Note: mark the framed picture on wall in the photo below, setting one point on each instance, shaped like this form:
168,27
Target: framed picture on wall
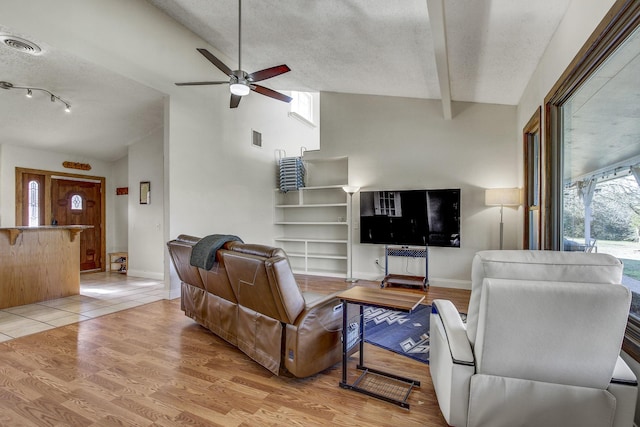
145,192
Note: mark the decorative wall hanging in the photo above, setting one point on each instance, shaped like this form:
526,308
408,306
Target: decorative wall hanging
145,192
77,165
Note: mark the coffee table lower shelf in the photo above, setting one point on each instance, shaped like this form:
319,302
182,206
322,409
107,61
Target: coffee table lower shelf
383,385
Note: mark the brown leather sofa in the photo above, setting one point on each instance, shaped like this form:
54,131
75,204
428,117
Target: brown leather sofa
250,298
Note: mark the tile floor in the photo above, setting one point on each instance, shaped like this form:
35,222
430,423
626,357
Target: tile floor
100,294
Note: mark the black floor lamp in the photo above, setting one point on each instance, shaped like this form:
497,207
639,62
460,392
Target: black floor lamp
350,190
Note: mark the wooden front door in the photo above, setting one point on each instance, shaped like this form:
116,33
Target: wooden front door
79,203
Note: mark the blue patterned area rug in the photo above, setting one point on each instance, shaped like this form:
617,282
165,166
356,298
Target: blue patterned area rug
400,332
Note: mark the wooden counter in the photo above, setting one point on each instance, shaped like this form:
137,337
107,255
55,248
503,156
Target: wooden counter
39,263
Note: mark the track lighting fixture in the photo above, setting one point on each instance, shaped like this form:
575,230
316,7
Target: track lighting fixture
54,97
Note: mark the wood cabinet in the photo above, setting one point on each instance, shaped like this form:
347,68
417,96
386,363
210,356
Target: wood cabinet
118,262
312,222
39,263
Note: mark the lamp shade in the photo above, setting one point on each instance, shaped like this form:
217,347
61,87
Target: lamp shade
351,189
502,197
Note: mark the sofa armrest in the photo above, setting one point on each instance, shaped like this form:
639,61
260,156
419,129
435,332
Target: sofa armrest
314,341
313,299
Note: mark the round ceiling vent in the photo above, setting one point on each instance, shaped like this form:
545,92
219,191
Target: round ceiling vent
20,44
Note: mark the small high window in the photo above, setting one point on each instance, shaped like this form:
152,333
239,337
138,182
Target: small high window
302,106
76,202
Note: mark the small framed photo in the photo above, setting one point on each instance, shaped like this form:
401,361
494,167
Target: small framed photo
145,192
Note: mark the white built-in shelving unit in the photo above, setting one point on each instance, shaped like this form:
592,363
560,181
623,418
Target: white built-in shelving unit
312,222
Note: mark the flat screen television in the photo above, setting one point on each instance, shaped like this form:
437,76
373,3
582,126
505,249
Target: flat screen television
411,217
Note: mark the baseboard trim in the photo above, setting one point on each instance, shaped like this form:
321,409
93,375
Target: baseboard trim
146,274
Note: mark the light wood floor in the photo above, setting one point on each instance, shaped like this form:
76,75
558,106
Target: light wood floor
152,366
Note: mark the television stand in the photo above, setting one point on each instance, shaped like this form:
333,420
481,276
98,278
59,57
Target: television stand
405,280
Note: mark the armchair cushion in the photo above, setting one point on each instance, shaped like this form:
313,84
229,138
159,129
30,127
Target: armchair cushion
537,265
517,318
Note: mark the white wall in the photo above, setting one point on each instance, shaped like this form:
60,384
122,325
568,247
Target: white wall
402,143
118,233
146,222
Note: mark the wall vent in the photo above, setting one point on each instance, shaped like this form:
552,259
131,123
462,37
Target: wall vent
256,139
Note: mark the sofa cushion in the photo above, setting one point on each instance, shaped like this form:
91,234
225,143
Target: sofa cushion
264,285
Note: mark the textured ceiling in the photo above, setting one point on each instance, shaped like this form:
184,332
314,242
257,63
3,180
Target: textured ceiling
376,47
108,112
380,47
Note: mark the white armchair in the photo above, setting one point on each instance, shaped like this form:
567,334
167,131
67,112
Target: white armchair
541,344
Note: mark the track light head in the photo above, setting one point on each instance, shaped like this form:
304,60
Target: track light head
29,93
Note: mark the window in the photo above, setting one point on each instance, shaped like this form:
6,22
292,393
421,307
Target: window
302,106
76,202
594,136
34,203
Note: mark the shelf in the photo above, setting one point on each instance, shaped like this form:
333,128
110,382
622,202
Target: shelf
327,273
313,221
310,223
316,187
302,240
316,256
118,262
317,205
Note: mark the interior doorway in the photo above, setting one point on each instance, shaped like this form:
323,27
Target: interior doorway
54,198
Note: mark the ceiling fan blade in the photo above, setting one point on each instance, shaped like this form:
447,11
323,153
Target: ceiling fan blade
267,73
271,93
215,61
200,83
235,100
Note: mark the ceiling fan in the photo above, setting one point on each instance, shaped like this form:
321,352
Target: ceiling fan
241,82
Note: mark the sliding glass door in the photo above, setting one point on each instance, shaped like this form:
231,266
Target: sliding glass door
594,131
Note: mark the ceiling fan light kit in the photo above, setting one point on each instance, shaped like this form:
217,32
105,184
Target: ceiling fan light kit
239,89
240,82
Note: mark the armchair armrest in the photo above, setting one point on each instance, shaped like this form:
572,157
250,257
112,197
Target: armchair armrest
451,361
455,330
624,387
